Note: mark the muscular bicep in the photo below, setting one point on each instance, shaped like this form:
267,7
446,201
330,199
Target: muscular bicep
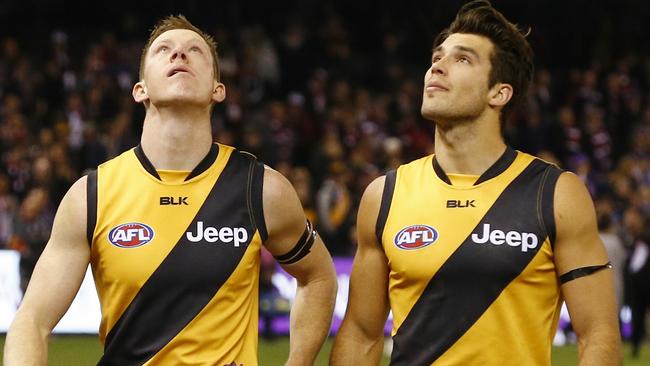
288,235
578,243
368,299
62,265
590,298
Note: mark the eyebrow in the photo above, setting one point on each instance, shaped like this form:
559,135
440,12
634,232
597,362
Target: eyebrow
461,48
193,42
160,42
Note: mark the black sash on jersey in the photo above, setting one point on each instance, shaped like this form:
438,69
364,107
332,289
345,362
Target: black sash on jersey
191,274
453,299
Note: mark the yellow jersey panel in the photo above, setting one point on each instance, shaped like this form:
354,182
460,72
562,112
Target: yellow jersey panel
173,176
462,180
471,266
223,311
176,263
510,312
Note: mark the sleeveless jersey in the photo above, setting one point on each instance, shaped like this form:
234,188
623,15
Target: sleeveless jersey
176,265
472,279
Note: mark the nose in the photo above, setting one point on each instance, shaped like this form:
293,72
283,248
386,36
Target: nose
438,67
178,53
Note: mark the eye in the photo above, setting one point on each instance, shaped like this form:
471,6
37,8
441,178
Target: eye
463,59
196,49
435,59
163,49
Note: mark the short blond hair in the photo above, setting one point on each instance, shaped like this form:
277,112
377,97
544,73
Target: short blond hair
179,22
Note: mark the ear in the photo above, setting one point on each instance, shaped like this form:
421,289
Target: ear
500,94
218,92
139,92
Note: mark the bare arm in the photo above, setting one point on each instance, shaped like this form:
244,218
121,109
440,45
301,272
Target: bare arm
311,314
56,280
360,338
590,299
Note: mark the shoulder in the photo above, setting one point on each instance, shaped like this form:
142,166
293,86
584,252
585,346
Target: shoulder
571,196
129,154
416,165
70,222
78,191
283,213
75,202
373,210
575,215
282,207
375,190
276,187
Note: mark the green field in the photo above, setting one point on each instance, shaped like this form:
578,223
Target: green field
85,350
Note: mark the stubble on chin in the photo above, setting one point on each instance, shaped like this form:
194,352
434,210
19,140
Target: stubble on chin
447,118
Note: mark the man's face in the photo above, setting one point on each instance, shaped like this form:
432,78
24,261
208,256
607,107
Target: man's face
178,68
456,84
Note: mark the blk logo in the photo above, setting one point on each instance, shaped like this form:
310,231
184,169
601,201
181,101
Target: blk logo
513,238
173,201
460,204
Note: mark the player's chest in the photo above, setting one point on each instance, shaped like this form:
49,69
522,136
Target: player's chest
469,233
188,232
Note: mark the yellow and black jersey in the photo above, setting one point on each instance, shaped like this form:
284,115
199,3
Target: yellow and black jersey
472,279
176,263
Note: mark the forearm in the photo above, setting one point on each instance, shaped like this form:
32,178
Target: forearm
601,348
26,343
353,347
311,316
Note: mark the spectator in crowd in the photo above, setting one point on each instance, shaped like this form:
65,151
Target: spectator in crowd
301,180
32,230
8,207
613,244
638,271
272,303
334,208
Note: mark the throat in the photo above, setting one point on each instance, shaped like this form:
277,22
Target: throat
175,144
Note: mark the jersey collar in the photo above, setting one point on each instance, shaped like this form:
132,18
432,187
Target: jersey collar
497,168
200,168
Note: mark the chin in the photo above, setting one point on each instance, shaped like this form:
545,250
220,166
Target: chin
431,112
183,98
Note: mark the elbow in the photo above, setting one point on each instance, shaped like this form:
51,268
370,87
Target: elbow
326,285
27,323
603,343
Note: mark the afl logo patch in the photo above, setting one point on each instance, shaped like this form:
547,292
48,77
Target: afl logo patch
415,237
131,235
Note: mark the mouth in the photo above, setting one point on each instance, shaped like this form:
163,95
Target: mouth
432,86
178,70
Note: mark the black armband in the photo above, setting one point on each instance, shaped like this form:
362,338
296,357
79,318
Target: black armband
584,271
302,247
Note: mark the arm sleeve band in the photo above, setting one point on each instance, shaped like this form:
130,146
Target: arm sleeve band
584,271
302,247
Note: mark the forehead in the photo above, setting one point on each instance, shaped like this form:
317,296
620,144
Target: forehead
482,45
178,36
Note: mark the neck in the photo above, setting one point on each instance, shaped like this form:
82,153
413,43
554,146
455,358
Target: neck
176,139
468,148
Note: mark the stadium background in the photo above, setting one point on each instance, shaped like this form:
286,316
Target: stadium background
326,92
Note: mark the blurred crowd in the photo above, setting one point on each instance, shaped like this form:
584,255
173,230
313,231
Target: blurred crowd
306,100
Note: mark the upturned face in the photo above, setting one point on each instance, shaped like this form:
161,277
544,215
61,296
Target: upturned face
178,68
456,84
